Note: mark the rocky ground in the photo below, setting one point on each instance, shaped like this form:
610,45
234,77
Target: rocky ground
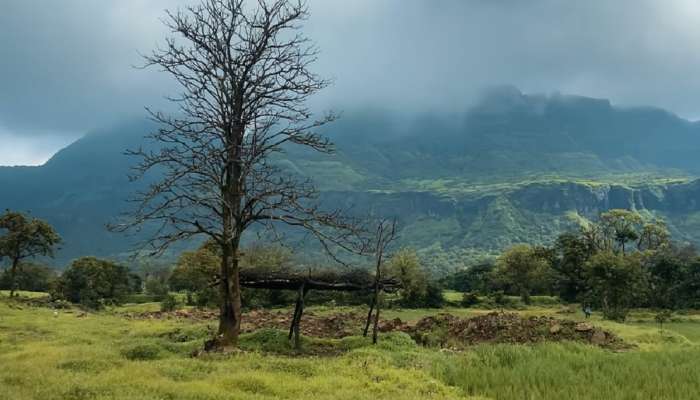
442,330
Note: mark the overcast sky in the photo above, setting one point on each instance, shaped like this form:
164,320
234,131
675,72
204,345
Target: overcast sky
66,66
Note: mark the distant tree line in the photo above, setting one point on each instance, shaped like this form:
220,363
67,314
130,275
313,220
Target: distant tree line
616,263
94,283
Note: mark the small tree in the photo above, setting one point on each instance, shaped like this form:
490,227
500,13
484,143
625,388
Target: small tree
93,282
616,283
195,273
30,276
21,238
654,235
523,269
571,253
620,226
384,236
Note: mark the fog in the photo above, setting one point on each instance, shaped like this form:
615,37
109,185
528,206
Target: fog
67,67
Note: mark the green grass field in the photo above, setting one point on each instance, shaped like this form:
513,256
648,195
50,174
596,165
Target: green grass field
107,356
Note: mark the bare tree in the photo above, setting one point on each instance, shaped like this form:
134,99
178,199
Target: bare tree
385,234
244,71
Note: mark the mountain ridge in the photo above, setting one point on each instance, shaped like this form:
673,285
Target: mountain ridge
463,185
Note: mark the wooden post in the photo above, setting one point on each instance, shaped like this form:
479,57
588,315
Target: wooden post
376,321
369,317
296,319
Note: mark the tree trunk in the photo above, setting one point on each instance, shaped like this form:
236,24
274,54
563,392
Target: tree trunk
376,320
230,313
13,277
230,318
294,318
297,321
369,317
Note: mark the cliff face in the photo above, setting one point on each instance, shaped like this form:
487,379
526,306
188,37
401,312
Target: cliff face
528,213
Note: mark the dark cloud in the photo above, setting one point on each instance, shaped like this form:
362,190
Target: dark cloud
66,66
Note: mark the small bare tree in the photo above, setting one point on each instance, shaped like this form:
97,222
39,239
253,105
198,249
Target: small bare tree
385,234
244,71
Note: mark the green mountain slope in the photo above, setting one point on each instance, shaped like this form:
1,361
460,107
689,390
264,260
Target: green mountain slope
514,168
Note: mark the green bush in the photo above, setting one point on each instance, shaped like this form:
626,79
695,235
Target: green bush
469,299
169,303
144,351
93,283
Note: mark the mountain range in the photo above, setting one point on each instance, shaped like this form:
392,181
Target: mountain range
512,168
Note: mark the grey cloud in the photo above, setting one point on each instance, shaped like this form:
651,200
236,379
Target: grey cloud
66,66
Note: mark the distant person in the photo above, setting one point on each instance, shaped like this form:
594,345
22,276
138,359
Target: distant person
587,311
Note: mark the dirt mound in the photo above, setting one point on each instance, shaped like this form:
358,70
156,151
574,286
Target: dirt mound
336,325
446,330
329,326
194,314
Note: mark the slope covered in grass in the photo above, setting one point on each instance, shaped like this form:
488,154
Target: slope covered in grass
108,356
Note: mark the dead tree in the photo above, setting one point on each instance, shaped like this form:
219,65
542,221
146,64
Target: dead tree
385,234
245,79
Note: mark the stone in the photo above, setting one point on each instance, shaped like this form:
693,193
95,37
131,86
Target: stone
583,327
599,338
554,329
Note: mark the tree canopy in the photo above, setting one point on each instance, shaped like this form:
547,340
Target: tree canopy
22,237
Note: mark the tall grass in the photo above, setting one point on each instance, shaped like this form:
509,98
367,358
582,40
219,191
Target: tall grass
108,356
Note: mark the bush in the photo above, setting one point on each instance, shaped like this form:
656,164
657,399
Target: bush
157,288
142,352
93,283
31,277
469,299
169,303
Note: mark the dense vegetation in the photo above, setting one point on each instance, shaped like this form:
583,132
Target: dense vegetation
614,264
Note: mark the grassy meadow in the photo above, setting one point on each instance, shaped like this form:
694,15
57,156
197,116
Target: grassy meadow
69,354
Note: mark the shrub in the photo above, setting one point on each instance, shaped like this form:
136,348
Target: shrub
140,352
93,283
157,288
469,299
169,303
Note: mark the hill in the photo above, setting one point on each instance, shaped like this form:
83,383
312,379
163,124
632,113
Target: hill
513,168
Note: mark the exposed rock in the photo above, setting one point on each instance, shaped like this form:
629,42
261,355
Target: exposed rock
599,338
583,327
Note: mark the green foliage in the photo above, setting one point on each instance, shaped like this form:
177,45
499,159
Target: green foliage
30,276
143,351
616,282
194,274
157,288
571,253
418,289
523,270
93,282
22,238
169,303
469,299
619,226
476,279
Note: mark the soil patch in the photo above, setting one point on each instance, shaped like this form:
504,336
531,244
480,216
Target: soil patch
336,325
443,330
446,330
